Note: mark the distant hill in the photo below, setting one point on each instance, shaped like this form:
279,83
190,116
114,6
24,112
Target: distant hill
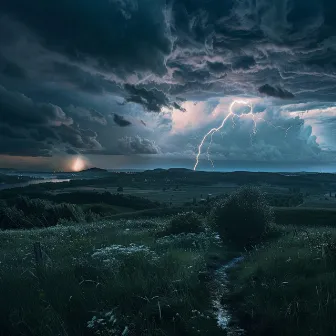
94,170
180,170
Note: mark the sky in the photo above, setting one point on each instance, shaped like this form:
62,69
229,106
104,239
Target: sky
139,83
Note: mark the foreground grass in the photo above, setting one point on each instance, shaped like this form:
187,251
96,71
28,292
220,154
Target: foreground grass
288,287
110,278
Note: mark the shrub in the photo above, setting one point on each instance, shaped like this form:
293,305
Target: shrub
100,209
186,222
31,206
243,217
64,211
25,212
11,217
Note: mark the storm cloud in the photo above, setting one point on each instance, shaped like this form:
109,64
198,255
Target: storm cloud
276,92
138,145
38,129
151,99
169,64
120,120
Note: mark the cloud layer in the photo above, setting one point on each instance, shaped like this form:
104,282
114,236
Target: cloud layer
276,92
168,69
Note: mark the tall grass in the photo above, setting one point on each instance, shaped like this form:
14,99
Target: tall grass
104,279
289,286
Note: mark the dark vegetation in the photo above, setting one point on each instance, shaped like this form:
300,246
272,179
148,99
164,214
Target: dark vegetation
242,218
288,286
184,177
306,217
34,213
189,177
7,179
285,200
87,197
24,212
84,283
185,222
108,278
83,197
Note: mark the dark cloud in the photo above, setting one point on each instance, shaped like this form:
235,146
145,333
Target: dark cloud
182,48
11,69
120,120
90,115
217,67
28,147
19,110
38,129
124,38
71,151
7,132
276,92
151,99
84,139
83,80
243,63
138,145
59,82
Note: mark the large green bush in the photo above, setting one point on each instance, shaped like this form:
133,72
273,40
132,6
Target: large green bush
243,217
186,222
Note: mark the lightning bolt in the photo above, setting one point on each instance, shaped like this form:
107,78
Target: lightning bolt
232,115
208,151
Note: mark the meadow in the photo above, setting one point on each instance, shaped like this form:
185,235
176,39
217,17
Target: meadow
107,278
92,262
287,286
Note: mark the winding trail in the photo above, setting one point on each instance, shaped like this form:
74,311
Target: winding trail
219,287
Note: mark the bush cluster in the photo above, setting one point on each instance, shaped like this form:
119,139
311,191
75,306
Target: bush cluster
243,217
28,213
186,222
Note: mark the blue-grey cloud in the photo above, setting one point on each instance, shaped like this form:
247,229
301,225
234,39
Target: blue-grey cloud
153,56
89,115
138,145
36,129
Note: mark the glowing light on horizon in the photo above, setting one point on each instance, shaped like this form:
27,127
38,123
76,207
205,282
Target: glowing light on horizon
232,114
78,164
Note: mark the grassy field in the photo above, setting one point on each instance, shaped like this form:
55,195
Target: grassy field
175,196
288,287
124,273
118,276
108,278
306,216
